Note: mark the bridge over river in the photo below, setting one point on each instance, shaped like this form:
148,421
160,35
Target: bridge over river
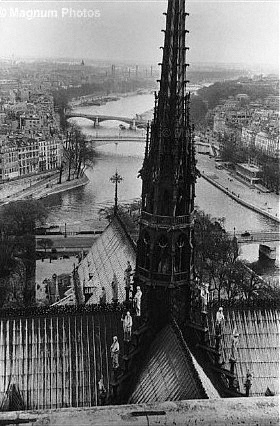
249,237
103,140
137,121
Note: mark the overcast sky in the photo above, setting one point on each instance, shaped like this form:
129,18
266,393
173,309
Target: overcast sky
220,31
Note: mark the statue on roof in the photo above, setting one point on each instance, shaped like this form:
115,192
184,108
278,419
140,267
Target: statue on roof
248,383
127,280
137,301
132,277
115,350
127,326
219,321
234,343
128,270
219,324
101,391
204,294
115,289
103,297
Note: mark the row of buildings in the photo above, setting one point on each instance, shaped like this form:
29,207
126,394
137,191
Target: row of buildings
24,77
30,137
68,75
256,123
22,156
265,141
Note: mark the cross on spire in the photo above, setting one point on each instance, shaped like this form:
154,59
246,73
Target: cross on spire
116,179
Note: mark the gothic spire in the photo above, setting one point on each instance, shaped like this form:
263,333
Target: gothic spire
170,165
164,266
173,76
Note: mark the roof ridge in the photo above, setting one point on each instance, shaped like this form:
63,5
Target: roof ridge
167,375
187,351
117,219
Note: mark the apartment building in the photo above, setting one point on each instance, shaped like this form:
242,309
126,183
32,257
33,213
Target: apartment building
30,122
248,136
268,144
28,157
9,168
49,153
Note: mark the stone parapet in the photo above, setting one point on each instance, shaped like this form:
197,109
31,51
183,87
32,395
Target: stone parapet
260,411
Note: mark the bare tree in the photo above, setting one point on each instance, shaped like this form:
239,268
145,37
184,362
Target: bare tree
215,250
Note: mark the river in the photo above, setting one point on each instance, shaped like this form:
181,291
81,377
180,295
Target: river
80,207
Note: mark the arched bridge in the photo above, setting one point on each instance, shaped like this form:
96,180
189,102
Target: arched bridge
249,237
104,140
97,118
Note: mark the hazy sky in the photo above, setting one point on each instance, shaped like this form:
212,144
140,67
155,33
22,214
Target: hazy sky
220,31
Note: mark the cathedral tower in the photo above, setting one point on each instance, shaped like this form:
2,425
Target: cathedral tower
165,252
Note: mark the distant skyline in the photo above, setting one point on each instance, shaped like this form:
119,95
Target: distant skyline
220,31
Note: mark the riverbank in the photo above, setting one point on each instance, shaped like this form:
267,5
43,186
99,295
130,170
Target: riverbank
103,96
45,188
15,187
266,204
64,186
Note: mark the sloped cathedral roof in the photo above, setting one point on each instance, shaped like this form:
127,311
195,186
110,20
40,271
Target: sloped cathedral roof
257,348
107,260
170,372
55,359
